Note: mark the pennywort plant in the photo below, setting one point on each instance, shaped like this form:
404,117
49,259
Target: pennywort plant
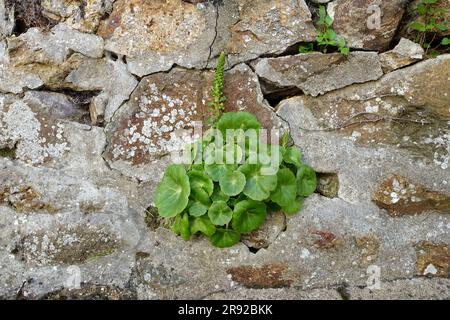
231,180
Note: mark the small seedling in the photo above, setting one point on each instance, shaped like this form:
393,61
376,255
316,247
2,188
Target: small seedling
326,36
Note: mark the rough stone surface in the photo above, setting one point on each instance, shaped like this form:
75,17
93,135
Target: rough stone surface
405,53
83,144
401,109
351,21
83,15
267,233
156,35
318,73
399,196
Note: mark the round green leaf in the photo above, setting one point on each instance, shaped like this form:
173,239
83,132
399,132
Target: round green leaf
248,216
203,225
258,186
232,183
306,181
197,209
200,180
219,213
293,207
172,193
293,156
215,171
286,190
224,238
218,195
199,202
237,120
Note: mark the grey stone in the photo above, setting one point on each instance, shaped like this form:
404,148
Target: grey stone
243,30
6,20
318,73
110,77
405,53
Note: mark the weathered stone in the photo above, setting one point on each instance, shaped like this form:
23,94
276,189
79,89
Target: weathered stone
36,58
356,21
433,259
6,20
83,15
275,224
154,34
110,77
276,294
55,45
404,54
369,246
328,184
266,276
399,197
401,109
405,289
23,199
161,114
92,292
325,239
28,14
318,73
66,245
247,30
35,134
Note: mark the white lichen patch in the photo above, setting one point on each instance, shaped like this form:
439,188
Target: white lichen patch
37,139
441,157
162,124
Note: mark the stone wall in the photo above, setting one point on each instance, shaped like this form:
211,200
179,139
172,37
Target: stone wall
91,92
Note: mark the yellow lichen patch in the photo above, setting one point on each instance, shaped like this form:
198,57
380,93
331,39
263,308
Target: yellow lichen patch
433,259
24,199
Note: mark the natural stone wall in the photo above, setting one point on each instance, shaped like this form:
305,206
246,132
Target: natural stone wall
93,94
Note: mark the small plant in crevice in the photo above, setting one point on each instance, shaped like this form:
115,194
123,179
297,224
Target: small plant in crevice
226,186
326,36
430,21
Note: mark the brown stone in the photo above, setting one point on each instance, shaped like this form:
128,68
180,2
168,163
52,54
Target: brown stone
24,199
325,239
399,197
369,246
267,276
433,259
351,21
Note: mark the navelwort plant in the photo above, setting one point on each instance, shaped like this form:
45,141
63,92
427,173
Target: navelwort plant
429,23
224,199
326,36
